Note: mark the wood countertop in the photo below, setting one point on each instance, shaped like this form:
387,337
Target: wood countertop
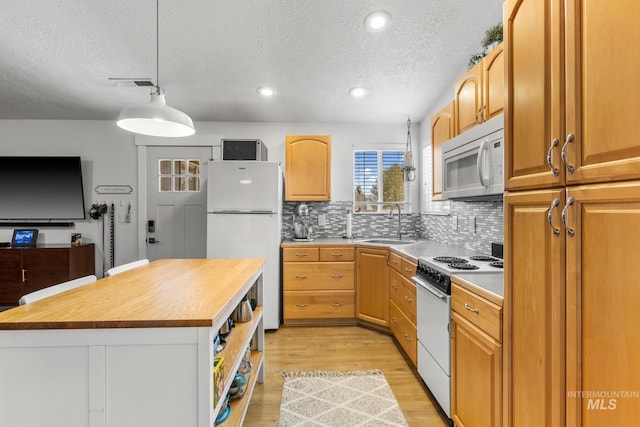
165,293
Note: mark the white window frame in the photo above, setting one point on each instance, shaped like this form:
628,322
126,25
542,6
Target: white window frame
383,206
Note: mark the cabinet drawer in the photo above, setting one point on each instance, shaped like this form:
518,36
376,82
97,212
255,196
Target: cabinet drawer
484,314
404,331
403,293
308,276
319,305
337,254
300,254
408,269
395,261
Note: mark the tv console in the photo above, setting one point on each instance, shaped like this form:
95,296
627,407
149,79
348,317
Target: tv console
27,269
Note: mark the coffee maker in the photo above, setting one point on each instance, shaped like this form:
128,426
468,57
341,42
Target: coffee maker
302,226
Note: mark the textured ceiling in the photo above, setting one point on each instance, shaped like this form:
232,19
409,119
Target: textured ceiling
56,57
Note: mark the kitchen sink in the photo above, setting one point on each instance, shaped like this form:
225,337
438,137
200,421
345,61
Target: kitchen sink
389,241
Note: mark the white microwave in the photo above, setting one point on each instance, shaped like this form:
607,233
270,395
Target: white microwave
472,163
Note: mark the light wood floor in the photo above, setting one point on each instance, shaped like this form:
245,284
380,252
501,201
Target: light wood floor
341,348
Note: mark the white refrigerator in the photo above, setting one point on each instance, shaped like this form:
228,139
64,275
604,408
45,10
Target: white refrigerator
244,220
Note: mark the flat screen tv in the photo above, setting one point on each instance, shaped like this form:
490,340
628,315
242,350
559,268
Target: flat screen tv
41,188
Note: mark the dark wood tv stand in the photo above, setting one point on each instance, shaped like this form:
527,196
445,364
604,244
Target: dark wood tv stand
25,270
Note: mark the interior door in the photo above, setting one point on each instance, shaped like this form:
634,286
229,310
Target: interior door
176,202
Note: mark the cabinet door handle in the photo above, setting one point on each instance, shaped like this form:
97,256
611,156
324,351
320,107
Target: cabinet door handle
407,337
394,286
337,276
302,305
570,230
554,204
337,304
408,299
394,320
473,310
301,254
24,275
337,254
301,276
554,170
408,270
570,168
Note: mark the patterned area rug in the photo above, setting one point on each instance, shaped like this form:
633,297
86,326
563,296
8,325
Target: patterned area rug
330,398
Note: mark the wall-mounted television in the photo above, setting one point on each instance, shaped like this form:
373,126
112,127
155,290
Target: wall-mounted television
41,188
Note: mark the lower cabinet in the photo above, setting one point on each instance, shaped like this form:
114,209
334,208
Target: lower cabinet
318,284
476,360
372,286
402,304
26,270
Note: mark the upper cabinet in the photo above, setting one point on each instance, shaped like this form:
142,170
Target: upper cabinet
572,94
308,168
442,130
468,99
493,83
479,94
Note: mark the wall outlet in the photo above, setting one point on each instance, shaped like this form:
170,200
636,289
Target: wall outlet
454,222
472,224
322,220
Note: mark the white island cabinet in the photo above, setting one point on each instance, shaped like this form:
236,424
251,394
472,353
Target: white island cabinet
135,349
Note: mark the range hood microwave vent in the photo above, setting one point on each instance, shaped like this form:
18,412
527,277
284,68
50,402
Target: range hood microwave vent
472,163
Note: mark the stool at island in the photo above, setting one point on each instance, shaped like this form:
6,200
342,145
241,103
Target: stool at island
125,267
134,349
56,289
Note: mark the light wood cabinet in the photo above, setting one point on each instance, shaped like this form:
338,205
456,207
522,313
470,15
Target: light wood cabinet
586,114
476,376
318,284
308,168
571,98
468,99
603,320
493,83
534,310
476,359
571,286
479,94
442,130
402,304
372,286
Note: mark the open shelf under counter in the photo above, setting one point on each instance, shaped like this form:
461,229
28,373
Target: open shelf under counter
237,343
239,406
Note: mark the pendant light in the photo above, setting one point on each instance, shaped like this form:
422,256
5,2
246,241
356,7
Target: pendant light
156,118
409,168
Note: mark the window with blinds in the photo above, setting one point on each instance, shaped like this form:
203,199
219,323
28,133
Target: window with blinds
178,175
378,177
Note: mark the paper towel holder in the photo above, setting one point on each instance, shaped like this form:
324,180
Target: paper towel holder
348,226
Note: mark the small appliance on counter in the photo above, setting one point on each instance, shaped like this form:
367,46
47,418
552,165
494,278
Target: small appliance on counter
302,226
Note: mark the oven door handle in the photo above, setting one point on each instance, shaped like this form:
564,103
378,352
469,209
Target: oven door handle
429,288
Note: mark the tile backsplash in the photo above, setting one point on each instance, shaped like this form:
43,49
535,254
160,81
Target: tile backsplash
363,225
488,216
489,225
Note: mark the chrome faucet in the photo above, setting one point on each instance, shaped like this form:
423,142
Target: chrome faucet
397,205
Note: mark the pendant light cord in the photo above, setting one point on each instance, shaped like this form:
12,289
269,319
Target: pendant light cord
158,46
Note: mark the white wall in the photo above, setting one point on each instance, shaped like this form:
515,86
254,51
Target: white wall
109,157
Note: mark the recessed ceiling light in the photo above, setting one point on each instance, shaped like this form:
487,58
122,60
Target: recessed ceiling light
377,21
358,92
266,91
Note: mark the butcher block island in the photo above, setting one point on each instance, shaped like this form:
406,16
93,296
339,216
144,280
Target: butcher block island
134,349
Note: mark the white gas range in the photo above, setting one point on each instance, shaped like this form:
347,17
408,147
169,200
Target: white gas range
433,280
